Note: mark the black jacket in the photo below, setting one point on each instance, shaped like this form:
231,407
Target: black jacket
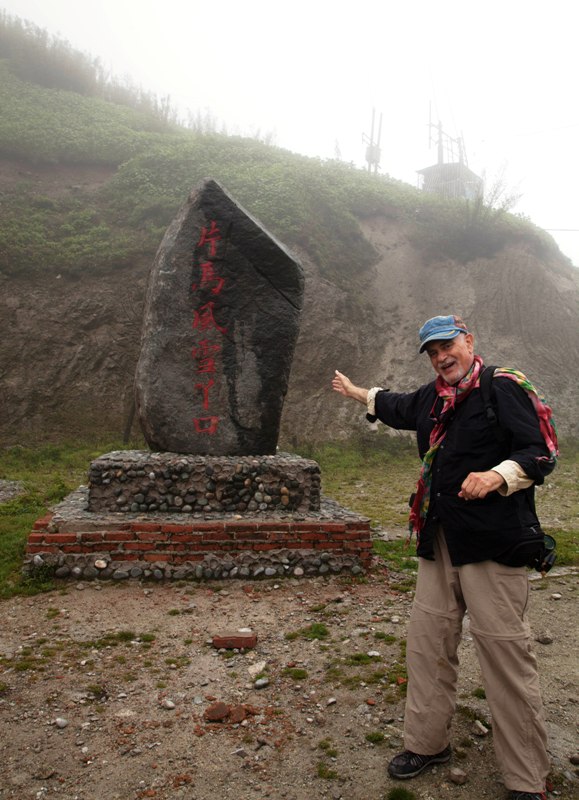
478,529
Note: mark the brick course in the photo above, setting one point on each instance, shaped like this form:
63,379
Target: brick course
266,546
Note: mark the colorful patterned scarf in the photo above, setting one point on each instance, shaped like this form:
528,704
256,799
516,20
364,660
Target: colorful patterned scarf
451,396
543,411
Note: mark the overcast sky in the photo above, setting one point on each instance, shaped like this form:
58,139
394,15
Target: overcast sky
501,73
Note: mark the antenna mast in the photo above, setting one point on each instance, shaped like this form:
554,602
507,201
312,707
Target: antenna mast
449,150
373,146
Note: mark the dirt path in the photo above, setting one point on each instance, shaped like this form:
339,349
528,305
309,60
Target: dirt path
104,691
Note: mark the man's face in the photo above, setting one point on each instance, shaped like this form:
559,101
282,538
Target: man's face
452,358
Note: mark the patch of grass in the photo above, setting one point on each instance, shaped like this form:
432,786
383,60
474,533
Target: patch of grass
387,638
114,639
360,658
48,473
124,636
567,544
398,554
375,737
317,630
179,661
97,691
295,673
407,585
339,671
328,747
400,794
354,476
479,692
334,673
326,772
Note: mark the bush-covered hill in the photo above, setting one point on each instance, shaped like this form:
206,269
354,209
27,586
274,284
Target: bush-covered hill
93,171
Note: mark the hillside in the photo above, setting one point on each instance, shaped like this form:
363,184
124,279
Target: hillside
88,187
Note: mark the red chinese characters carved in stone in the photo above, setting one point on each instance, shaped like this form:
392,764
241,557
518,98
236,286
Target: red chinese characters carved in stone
208,277
204,353
204,318
204,388
210,236
206,424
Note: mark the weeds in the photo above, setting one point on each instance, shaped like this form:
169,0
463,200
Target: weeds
317,630
387,638
295,673
325,772
328,747
400,794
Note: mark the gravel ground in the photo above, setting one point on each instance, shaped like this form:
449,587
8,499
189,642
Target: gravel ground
9,490
105,689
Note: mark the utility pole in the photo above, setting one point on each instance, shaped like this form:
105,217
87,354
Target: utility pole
373,146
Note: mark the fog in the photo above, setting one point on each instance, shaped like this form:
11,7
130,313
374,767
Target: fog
307,76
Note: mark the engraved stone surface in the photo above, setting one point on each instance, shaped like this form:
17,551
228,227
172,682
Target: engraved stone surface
220,325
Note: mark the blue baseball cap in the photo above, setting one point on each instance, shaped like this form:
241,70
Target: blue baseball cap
440,328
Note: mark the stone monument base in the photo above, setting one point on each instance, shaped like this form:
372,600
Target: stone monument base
73,542
143,481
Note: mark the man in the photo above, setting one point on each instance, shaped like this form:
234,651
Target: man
473,504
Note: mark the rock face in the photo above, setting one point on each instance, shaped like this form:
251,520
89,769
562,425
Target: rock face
220,324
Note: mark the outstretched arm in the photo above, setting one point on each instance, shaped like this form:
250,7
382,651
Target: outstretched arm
345,387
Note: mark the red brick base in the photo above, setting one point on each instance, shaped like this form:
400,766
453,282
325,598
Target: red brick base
175,544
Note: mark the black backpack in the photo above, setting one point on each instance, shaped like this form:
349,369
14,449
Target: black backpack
536,548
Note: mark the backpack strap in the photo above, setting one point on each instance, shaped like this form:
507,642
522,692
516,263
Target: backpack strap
485,387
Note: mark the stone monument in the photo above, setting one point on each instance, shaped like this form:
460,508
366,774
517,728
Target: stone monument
220,326
212,498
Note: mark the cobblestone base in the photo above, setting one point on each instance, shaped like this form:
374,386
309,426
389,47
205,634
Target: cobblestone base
143,481
77,543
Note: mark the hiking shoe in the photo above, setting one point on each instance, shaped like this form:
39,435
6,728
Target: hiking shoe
408,764
527,796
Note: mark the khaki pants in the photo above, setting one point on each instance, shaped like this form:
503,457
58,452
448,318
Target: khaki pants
496,599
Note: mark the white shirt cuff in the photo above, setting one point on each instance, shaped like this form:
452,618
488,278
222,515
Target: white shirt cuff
371,402
514,477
